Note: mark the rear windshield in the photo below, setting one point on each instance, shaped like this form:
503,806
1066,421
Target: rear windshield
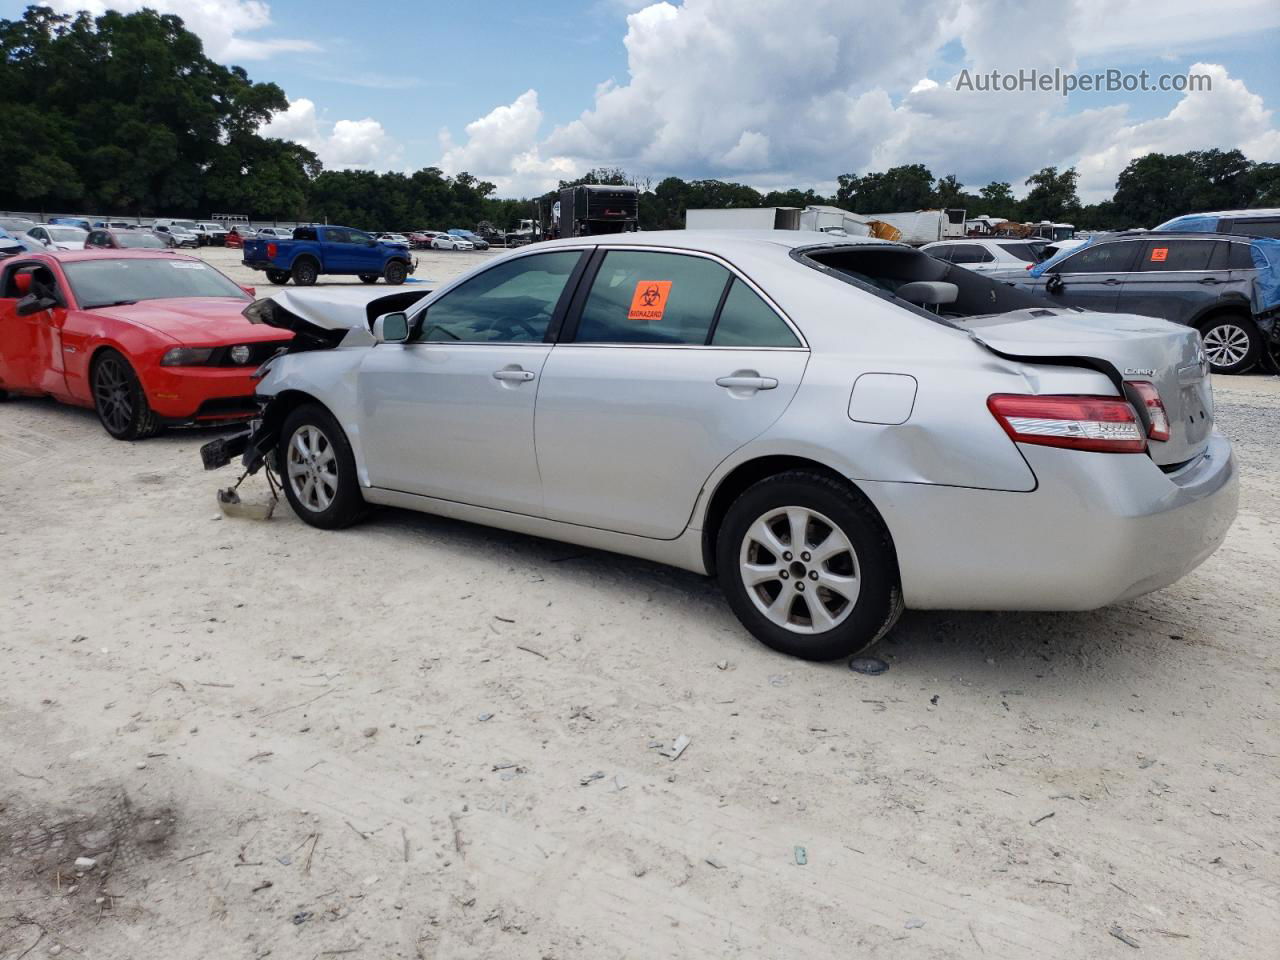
143,241
884,270
101,283
1023,251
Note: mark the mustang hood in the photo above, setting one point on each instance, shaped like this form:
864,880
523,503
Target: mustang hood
198,321
1126,348
321,319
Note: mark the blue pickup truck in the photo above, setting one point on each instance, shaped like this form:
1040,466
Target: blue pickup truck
331,250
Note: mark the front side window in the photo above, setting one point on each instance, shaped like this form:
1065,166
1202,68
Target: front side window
969,253
1162,256
1023,251
512,302
641,297
747,321
355,236
1101,258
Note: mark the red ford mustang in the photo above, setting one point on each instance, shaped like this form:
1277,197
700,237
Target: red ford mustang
146,338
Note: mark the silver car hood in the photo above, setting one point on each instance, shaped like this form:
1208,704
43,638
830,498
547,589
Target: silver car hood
1124,346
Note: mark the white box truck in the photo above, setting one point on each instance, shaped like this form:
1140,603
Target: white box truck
743,218
919,227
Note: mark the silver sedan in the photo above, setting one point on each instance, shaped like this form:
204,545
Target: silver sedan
835,428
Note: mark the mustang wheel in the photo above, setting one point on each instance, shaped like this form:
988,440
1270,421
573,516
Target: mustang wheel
808,567
305,272
396,272
368,277
319,469
1231,344
278,277
119,399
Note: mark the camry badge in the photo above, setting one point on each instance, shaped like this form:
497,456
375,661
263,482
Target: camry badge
1139,372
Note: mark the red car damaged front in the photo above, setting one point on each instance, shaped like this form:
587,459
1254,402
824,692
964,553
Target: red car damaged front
147,339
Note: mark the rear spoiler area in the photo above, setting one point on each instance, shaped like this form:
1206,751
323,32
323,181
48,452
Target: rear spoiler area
321,319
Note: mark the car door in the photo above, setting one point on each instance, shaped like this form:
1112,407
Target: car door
450,413
1090,279
672,363
31,351
1172,279
363,253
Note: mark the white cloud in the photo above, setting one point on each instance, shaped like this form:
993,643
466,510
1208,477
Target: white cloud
770,92
221,24
344,144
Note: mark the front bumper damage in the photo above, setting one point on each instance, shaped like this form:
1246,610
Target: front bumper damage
254,447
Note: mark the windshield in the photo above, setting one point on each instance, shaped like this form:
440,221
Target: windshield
188,225
141,241
101,283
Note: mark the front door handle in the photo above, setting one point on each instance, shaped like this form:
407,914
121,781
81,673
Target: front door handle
513,373
744,382
1111,282
1209,280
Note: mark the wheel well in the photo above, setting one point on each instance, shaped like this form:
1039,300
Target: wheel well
1239,311
300,258
745,475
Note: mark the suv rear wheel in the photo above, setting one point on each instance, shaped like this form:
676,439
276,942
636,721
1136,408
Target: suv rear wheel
808,566
1232,343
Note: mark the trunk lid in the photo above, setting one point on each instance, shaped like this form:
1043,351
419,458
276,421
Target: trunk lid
1126,348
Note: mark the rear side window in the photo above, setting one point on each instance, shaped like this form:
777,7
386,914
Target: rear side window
1023,251
1167,255
640,297
970,253
510,303
747,321
1101,258
1231,256
942,252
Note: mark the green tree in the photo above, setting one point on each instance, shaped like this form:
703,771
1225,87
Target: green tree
997,200
1052,195
908,187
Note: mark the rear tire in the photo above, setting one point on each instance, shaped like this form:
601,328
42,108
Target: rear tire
305,272
785,591
368,277
278,277
396,272
319,470
1232,343
119,399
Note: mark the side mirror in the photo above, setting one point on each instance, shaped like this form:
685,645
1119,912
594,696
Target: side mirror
391,328
33,303
1054,284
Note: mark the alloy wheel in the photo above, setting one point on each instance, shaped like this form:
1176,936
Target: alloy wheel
799,569
1226,345
114,394
312,467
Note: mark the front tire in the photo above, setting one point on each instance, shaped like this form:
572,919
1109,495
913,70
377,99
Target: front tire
1232,344
119,399
278,277
396,272
319,469
808,567
305,272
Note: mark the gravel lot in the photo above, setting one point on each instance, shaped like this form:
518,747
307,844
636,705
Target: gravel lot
423,739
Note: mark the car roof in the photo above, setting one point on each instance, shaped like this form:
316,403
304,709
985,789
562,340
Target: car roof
1262,212
716,241
74,256
1173,235
938,243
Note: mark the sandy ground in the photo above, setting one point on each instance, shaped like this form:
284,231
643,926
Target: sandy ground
423,739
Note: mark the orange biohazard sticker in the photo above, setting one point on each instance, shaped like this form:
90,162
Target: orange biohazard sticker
1159,254
649,302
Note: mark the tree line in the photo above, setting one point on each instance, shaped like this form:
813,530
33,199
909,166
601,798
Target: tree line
125,114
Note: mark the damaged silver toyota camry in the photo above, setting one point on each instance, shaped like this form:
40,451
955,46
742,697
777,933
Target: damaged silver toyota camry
834,429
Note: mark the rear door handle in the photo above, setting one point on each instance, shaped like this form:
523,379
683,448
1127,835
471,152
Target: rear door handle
508,373
1111,282
1209,280
738,382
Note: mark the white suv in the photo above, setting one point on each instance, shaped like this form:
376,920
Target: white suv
988,255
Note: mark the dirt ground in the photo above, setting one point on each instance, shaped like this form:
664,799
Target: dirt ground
423,739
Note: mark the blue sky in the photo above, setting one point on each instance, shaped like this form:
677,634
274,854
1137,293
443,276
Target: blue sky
771,92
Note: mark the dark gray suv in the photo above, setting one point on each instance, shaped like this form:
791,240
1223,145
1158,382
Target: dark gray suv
1202,280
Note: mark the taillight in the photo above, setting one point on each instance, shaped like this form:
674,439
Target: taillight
1156,413
1101,424
271,251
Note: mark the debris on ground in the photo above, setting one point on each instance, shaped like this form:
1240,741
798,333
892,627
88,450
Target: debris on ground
914,923
1123,937
673,752
590,778
802,856
871,666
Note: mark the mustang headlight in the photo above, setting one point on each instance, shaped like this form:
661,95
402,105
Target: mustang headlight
240,354
186,356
